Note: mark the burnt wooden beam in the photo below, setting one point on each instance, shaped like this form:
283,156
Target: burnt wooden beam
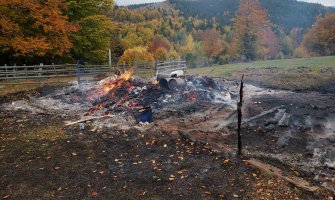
239,119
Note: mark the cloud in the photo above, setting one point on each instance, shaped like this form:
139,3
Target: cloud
324,2
129,2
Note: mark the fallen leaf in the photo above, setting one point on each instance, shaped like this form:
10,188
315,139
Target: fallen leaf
94,194
74,154
6,197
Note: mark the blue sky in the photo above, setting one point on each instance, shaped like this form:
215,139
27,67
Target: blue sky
128,2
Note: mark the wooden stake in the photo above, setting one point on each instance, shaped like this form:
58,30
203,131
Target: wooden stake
239,118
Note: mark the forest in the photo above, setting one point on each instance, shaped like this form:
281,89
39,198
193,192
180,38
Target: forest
202,32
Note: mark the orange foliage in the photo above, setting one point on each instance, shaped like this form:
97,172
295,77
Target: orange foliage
211,43
320,39
35,28
137,54
253,34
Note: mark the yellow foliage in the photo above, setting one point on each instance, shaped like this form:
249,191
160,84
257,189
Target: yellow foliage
136,54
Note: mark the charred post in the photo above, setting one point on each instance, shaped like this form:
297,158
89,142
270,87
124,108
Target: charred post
239,116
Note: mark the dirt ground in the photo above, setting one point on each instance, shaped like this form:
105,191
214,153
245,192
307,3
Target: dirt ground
41,158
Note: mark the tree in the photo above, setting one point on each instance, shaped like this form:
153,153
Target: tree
31,29
93,40
267,44
78,9
296,34
320,39
211,43
253,36
159,48
136,54
286,45
132,40
188,46
116,47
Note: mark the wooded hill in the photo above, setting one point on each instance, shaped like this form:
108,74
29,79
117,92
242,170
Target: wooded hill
201,31
287,14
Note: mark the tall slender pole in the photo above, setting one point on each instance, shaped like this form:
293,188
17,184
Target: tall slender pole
110,57
239,117
78,72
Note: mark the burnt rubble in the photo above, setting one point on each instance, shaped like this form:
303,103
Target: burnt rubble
278,125
134,94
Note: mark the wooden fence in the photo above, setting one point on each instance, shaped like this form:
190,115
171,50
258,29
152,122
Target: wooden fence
169,66
73,70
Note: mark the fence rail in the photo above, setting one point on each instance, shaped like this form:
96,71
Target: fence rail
72,70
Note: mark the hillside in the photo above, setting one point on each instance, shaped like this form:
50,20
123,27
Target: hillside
285,13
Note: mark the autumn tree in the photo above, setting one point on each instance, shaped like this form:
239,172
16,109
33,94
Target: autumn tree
160,48
93,40
79,9
286,44
30,29
188,46
296,34
135,55
320,39
116,47
132,40
267,44
253,36
211,43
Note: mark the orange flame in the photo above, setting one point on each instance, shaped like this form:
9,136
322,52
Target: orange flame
118,82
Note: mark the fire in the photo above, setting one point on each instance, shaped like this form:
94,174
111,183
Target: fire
109,90
118,82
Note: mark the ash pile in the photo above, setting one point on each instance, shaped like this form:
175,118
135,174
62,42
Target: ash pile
123,101
168,96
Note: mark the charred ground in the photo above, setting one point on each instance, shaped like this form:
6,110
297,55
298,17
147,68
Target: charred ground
43,158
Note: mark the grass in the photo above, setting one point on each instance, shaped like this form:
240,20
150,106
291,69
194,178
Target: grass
297,74
314,63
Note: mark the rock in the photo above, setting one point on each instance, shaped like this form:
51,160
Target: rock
284,121
330,164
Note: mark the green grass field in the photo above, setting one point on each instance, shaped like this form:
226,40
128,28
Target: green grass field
314,63
316,73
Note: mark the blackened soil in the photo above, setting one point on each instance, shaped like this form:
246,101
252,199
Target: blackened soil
42,159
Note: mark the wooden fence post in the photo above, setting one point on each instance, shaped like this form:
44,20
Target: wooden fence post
155,68
14,70
25,69
40,70
78,72
6,70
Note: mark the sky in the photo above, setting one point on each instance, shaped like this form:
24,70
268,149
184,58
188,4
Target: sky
128,2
